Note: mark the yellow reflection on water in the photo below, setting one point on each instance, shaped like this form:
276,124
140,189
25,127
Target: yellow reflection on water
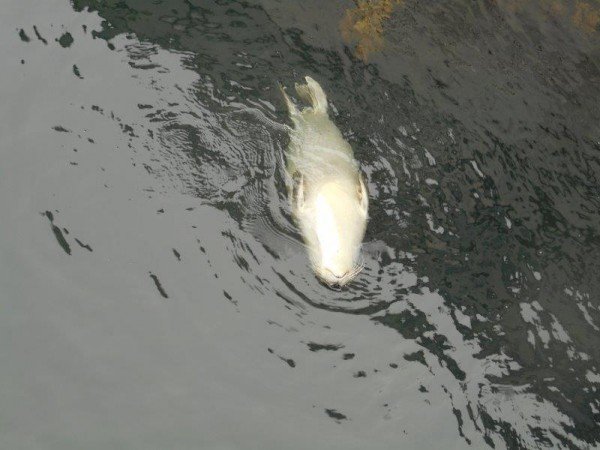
363,25
586,16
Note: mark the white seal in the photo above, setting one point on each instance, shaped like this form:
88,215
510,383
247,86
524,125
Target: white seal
327,192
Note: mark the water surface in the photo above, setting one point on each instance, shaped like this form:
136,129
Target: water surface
155,292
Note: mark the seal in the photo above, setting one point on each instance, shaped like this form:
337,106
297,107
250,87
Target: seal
327,192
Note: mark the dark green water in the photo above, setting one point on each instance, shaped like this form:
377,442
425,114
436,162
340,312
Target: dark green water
154,292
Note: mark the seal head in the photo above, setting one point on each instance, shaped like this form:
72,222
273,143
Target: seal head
332,217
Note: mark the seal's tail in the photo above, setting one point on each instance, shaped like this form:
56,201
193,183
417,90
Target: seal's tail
312,93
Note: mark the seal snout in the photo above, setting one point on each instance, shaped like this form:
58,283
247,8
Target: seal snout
335,279
338,277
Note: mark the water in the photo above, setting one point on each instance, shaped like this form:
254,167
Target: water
155,293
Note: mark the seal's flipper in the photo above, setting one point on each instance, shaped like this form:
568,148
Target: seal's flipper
313,93
297,190
288,102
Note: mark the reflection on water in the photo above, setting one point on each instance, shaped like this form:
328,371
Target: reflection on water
156,288
364,24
